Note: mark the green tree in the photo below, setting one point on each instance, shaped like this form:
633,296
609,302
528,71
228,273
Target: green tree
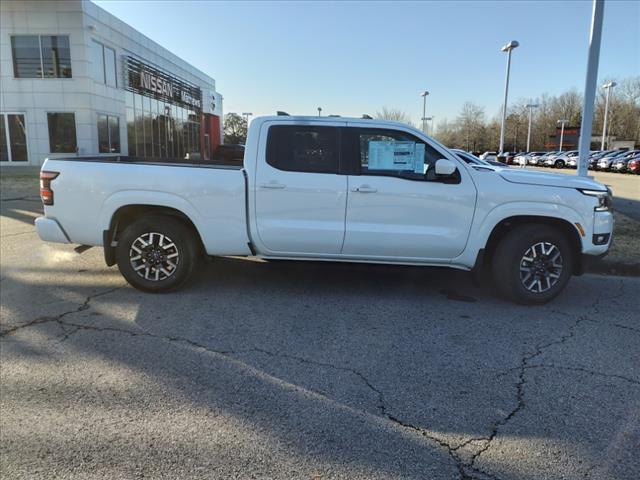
235,128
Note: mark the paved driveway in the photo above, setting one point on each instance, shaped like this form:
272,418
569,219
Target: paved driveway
311,371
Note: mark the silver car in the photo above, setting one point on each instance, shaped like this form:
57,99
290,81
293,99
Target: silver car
562,159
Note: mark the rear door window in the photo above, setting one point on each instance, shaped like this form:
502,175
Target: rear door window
300,148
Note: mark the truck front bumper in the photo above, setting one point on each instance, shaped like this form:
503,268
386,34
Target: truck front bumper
50,230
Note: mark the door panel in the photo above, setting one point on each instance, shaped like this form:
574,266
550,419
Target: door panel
301,212
407,218
397,206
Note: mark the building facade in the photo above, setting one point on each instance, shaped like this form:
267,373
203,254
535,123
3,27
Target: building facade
74,79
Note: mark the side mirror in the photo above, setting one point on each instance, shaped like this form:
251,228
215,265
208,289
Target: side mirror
445,167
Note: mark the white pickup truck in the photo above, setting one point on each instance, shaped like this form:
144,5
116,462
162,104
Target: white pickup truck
334,189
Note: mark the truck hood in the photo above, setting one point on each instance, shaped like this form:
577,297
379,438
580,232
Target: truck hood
531,177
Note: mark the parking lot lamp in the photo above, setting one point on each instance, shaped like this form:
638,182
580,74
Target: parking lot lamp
424,110
530,106
607,87
507,48
247,115
319,111
562,123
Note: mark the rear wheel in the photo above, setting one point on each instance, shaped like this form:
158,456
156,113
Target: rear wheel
156,253
532,264
559,163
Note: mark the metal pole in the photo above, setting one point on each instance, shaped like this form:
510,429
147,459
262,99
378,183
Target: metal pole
529,130
504,106
590,87
606,115
424,113
561,134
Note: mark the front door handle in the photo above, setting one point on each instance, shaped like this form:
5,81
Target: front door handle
272,185
365,189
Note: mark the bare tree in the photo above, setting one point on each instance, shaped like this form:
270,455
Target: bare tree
394,114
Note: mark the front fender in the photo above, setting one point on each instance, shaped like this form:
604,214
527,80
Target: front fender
482,227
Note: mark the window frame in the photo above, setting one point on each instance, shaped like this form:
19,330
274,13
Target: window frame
39,37
4,115
352,154
271,146
75,129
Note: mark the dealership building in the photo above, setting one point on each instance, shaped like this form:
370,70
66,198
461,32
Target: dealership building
75,80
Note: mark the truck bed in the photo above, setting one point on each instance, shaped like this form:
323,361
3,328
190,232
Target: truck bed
89,191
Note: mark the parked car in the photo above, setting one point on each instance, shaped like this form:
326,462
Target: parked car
542,159
473,160
593,159
634,165
331,189
605,162
550,159
619,164
562,159
489,156
572,161
532,158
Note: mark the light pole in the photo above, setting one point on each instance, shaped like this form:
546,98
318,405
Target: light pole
507,48
591,78
607,87
247,115
562,123
319,111
530,106
424,110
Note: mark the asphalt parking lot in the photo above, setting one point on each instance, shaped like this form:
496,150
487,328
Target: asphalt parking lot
307,371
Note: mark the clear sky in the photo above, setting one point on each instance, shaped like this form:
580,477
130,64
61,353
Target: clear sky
352,58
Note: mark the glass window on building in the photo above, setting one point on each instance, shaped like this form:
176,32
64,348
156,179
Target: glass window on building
110,66
97,62
108,134
56,56
160,129
103,60
41,56
4,150
13,138
62,132
131,128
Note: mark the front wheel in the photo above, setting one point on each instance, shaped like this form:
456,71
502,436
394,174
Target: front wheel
532,264
560,164
156,253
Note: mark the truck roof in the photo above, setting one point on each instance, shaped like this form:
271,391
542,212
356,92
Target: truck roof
328,119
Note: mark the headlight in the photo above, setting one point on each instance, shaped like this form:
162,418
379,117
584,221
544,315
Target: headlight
605,198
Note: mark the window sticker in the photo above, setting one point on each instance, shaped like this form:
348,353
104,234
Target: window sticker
398,156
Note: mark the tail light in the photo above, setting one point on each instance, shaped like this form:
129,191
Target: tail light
46,194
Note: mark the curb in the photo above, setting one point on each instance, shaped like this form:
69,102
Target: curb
615,268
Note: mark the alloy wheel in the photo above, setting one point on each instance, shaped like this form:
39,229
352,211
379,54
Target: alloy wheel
154,256
541,267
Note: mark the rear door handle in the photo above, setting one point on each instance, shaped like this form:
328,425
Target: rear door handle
272,185
365,189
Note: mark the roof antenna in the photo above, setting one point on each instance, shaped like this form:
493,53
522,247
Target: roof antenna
280,113
367,117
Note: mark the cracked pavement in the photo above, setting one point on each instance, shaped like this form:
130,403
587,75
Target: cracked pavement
312,371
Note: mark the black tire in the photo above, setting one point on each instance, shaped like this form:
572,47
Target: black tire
559,164
512,270
174,238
